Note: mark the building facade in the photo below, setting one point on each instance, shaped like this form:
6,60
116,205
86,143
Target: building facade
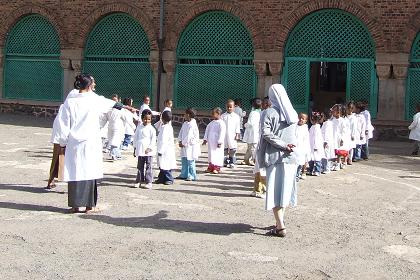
201,52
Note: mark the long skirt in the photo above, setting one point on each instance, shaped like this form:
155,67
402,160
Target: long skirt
281,186
83,193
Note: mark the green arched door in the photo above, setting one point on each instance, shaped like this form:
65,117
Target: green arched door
32,69
413,82
326,36
117,55
214,62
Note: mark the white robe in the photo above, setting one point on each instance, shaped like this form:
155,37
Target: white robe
117,120
316,142
353,129
79,131
232,122
360,130
215,135
252,128
129,125
55,135
338,132
189,136
302,150
147,107
166,147
369,126
145,138
158,124
346,134
415,128
328,135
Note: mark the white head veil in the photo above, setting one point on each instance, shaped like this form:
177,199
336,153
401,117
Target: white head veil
279,99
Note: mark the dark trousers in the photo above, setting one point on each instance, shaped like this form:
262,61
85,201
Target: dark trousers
230,156
165,176
315,166
144,169
365,150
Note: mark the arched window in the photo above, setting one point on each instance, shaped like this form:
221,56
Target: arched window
413,83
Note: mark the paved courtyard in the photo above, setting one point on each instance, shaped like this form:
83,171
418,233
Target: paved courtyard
360,223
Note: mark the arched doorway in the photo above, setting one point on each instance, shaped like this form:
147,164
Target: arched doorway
330,57
117,55
32,69
413,83
214,62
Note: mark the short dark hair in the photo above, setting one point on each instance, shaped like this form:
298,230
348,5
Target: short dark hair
217,110
238,101
191,112
145,112
127,101
114,96
83,81
257,103
166,116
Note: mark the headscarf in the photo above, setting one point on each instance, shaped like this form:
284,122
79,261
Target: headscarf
279,99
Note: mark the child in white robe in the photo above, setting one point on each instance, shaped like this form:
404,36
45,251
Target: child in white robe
302,150
130,126
145,148
351,116
146,106
166,150
252,132
233,133
214,137
360,135
338,136
415,131
168,107
241,113
316,142
369,129
346,135
328,136
188,139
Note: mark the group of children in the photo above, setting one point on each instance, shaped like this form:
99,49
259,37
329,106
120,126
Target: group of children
336,138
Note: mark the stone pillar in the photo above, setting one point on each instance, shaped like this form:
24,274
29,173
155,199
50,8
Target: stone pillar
71,61
392,73
260,69
169,63
154,65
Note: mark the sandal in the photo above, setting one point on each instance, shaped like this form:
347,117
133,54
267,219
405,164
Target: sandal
50,187
277,232
92,210
75,211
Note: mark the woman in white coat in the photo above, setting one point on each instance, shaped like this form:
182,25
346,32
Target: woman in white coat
415,131
79,132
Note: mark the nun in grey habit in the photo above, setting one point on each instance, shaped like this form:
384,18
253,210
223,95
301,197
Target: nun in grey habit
275,153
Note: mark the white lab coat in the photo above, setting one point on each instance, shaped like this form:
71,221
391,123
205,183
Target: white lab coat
79,131
232,122
166,147
369,126
144,107
346,134
189,136
415,128
55,132
159,123
327,130
302,150
252,128
117,120
360,131
353,129
145,138
214,135
129,125
316,142
338,132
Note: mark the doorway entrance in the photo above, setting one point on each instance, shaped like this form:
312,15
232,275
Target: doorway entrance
328,81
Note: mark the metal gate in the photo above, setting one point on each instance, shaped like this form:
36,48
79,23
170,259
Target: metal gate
32,69
331,35
214,62
413,82
117,55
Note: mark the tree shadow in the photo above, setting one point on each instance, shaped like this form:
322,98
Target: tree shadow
27,188
159,221
32,207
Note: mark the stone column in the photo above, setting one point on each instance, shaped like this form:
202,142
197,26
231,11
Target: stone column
71,61
2,61
154,65
260,69
169,63
392,73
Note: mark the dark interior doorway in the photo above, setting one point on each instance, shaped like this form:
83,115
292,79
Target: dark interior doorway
328,85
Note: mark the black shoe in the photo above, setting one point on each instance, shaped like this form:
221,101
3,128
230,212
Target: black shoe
168,183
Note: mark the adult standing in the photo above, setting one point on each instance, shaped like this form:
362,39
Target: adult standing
275,153
79,132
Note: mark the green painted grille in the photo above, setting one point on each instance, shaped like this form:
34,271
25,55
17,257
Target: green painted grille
215,62
117,55
32,65
413,82
331,35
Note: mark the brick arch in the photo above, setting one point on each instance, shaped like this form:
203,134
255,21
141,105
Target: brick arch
19,13
192,12
413,27
310,6
93,18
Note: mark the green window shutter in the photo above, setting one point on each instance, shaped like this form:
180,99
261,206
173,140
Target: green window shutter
297,84
32,66
361,82
117,55
413,80
214,62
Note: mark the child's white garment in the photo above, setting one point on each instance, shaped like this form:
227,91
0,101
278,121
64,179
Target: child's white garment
316,142
361,128
328,135
369,126
302,149
166,147
415,128
214,135
130,127
189,136
145,138
145,106
232,122
159,123
346,134
252,128
117,120
338,132
353,130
